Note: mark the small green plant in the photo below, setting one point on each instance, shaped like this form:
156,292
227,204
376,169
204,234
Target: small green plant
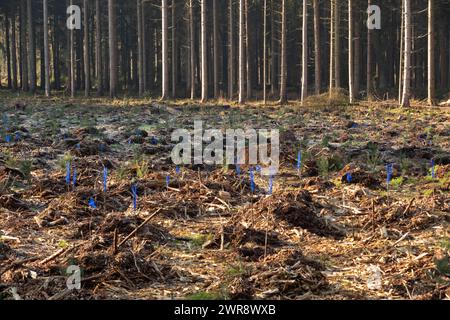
198,240
63,244
67,157
445,244
397,183
373,156
323,166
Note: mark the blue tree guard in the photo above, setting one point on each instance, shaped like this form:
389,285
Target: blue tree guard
74,177
105,179
349,177
252,180
270,185
134,192
68,173
433,172
92,203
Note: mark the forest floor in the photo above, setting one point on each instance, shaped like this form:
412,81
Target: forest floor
319,235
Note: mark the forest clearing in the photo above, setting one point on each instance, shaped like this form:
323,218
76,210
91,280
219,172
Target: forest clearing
325,232
97,201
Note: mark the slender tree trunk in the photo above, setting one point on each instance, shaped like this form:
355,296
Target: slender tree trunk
248,55
332,51
231,51
72,61
369,58
350,51
8,50
216,48
31,49
283,73
147,64
113,77
46,49
140,53
431,55
23,47
87,62
407,58
241,52
357,50
204,50
273,55
337,45
98,47
174,50
317,49
402,53
192,47
165,50
304,52
14,52
265,54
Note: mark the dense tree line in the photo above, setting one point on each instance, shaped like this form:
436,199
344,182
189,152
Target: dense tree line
234,49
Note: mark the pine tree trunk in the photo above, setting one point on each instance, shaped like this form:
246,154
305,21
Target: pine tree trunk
72,60
23,47
98,48
407,58
14,52
431,55
283,73
369,59
46,49
139,48
174,50
216,47
165,49
350,51
337,44
241,52
204,50
8,51
273,52
317,50
265,54
113,77
231,51
402,53
86,29
192,48
304,92
357,50
248,55
332,51
31,49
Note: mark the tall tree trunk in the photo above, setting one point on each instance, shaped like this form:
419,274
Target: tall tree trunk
23,47
265,54
98,48
273,52
248,55
317,44
8,50
204,50
350,51
357,51
402,53
31,49
283,73
46,49
332,50
431,55
304,52
165,50
192,47
174,50
72,60
140,53
14,52
407,58
216,47
241,52
86,29
369,58
113,79
337,45
147,67
231,51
